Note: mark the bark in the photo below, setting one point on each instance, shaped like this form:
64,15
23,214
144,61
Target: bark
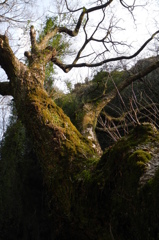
61,149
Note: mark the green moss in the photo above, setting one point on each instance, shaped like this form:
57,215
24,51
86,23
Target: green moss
139,158
123,162
63,152
123,202
109,190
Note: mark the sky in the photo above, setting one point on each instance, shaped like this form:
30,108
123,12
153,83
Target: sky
136,30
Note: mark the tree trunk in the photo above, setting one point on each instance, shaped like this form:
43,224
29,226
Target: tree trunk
62,151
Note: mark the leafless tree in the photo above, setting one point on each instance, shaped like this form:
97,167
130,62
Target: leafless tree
62,150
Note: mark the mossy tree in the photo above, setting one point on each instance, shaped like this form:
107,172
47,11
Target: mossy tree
67,157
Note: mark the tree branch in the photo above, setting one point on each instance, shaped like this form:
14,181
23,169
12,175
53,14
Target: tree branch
4,2
8,61
60,64
70,10
69,32
44,43
90,9
70,66
139,75
33,40
105,99
76,30
99,7
67,68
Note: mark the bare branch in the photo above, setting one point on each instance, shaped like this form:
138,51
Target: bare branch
67,68
130,7
124,4
90,9
60,64
70,10
43,44
11,19
102,6
139,75
85,11
71,33
14,12
105,99
4,2
76,30
70,66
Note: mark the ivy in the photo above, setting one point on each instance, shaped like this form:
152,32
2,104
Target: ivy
58,42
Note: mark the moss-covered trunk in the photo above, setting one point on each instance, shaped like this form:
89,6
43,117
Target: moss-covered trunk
62,150
63,153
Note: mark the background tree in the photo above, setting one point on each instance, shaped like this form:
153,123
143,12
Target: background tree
69,159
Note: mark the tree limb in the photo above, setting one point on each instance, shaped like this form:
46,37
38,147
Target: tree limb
99,7
4,2
76,30
8,61
33,40
69,32
70,66
60,64
44,43
139,75
105,99
90,9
